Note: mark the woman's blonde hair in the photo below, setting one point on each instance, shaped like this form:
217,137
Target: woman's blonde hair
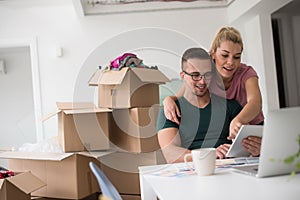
226,33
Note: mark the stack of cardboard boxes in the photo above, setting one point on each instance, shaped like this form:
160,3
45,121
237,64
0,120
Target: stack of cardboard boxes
81,127
133,96
122,126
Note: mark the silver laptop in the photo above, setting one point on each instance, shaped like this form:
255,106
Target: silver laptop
280,141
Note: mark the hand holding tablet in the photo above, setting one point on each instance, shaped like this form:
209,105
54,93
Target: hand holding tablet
236,149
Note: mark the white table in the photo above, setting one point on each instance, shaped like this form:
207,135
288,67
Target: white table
224,184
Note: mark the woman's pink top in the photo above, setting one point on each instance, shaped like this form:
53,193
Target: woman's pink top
237,90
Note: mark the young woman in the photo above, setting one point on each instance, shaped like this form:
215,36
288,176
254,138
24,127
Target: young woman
237,81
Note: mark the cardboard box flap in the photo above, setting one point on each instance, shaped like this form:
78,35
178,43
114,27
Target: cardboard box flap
34,155
113,77
26,182
96,154
109,77
94,80
150,75
48,116
74,105
95,110
70,106
51,156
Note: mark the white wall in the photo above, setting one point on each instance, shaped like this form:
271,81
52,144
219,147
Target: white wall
55,24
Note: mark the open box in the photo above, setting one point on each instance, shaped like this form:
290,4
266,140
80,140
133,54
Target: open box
20,186
128,87
67,175
82,126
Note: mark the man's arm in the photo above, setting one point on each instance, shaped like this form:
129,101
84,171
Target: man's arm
170,143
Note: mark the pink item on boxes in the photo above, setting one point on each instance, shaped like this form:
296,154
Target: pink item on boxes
116,62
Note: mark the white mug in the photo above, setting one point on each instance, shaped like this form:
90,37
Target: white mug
204,160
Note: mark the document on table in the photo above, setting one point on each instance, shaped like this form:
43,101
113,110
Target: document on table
181,169
228,163
176,171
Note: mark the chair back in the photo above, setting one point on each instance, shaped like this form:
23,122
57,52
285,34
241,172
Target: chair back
107,188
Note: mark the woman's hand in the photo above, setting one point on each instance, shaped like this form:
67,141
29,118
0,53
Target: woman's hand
222,151
171,110
252,144
234,128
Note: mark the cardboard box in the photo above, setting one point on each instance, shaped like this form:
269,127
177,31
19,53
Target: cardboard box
127,88
67,175
96,197
130,197
134,129
20,186
121,168
82,126
91,197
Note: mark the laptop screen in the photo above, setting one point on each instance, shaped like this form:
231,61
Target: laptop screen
280,142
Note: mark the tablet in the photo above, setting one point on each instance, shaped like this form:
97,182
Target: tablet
236,149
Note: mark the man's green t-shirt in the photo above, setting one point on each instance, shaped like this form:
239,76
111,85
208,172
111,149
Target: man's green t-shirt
202,127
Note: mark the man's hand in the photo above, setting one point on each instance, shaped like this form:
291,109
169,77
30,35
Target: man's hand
222,151
252,144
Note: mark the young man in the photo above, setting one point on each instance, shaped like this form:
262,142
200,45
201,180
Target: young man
205,118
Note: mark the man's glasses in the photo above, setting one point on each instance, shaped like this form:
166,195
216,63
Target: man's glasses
197,76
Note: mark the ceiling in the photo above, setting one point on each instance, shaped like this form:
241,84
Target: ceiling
102,7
